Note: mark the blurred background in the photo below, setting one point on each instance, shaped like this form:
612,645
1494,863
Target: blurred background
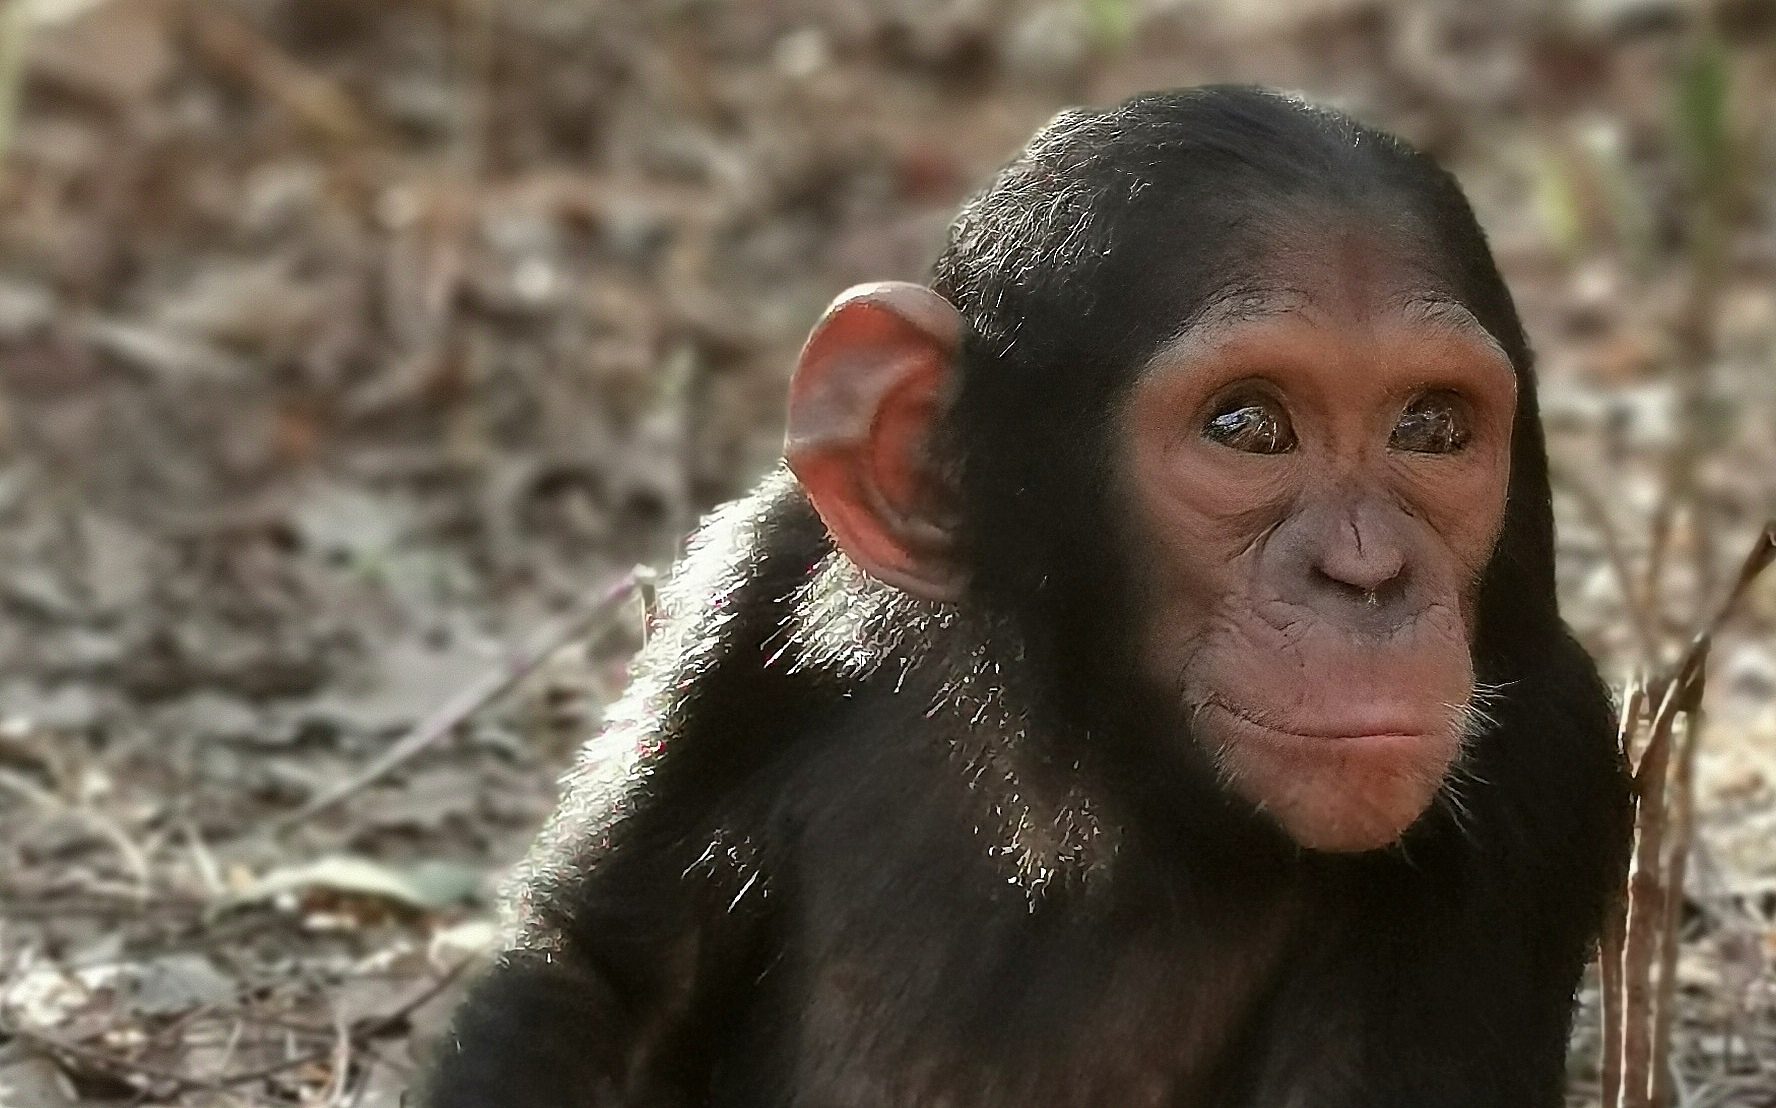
346,345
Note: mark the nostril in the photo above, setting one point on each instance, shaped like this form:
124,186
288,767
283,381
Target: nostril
1361,573
1362,590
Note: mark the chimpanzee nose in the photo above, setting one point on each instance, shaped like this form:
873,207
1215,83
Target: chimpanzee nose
1359,567
1349,558
1363,563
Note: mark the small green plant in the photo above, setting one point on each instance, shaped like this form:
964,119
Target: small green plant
1111,23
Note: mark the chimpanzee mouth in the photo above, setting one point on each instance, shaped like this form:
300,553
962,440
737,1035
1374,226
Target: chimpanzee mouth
1368,724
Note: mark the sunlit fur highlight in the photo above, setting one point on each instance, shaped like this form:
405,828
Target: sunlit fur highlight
845,624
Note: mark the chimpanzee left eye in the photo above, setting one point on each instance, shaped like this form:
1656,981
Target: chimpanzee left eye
1435,422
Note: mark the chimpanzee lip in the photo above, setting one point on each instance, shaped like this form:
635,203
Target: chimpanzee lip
1379,727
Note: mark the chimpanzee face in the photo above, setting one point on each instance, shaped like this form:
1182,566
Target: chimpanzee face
1316,474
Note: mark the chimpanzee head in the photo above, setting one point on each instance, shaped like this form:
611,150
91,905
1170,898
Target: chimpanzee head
1217,403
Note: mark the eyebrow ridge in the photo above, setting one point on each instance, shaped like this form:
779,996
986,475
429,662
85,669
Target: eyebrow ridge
1251,302
1242,303
1451,314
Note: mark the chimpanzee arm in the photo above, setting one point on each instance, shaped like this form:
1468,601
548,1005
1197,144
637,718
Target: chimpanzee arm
539,1030
618,960
1419,1006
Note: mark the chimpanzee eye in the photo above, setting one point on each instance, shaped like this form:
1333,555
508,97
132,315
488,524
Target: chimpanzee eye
1435,422
1253,423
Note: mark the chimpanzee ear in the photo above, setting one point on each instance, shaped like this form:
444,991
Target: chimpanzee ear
863,406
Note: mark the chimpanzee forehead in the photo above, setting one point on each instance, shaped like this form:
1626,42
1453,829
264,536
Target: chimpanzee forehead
1333,271
1430,311
1420,307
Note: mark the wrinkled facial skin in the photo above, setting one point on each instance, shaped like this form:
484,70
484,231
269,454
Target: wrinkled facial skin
1314,557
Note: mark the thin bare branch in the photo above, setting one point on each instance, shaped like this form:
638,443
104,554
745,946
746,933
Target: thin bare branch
476,696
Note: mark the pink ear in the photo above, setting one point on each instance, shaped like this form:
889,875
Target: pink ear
865,396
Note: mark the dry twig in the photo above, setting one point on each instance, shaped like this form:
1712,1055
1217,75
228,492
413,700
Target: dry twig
1641,933
477,695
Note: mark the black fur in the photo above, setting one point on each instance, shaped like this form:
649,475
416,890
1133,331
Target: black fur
841,847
